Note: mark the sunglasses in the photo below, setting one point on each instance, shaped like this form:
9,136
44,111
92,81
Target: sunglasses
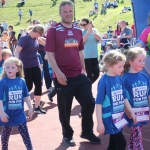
83,25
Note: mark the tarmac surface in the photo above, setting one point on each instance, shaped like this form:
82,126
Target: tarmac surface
45,130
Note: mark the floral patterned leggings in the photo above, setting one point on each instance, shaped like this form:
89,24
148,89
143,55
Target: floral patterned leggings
136,138
23,130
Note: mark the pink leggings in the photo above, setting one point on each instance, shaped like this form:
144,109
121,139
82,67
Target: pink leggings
136,139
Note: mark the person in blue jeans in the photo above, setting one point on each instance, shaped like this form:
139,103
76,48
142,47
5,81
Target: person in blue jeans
30,12
48,80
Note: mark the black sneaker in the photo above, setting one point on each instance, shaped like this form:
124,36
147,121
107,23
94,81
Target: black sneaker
39,110
69,141
91,137
42,103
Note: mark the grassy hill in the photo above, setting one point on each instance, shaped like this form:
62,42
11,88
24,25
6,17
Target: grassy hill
48,9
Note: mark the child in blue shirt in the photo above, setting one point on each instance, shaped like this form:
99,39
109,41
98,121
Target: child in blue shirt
52,90
4,54
13,93
137,86
41,66
111,101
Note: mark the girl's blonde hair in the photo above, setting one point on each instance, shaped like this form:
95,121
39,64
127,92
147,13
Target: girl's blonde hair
131,55
18,63
6,51
112,58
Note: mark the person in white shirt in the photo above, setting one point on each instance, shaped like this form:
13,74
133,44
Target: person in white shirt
20,12
5,25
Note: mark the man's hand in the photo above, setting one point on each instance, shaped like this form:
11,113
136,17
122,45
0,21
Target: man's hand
61,78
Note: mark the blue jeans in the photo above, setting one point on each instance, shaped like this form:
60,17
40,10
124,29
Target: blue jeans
20,17
48,80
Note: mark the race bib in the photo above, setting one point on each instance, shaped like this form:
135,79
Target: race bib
142,114
15,99
119,120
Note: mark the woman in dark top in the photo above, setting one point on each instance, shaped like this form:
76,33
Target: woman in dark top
26,51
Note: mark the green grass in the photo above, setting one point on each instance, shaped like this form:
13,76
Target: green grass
48,9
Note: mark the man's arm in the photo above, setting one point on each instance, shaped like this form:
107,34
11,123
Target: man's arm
81,55
60,76
127,36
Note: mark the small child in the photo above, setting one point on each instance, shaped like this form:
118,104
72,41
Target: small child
111,101
52,90
103,10
13,93
5,39
109,47
137,86
41,66
4,54
111,34
104,42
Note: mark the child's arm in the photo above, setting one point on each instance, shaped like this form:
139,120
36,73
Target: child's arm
4,117
30,112
129,111
45,57
100,125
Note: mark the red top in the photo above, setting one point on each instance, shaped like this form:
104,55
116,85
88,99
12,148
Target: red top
133,29
117,32
66,43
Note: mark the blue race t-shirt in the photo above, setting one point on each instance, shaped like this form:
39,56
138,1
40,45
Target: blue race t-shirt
137,89
90,45
111,95
1,66
12,93
28,54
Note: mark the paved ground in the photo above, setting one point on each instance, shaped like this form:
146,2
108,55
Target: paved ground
45,130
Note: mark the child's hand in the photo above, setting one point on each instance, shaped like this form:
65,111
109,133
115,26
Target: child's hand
4,117
30,113
100,128
133,116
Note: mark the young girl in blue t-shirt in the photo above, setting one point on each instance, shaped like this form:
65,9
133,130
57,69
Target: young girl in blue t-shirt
137,87
111,101
13,93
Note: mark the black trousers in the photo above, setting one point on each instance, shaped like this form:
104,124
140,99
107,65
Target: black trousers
33,75
117,142
48,80
92,69
80,87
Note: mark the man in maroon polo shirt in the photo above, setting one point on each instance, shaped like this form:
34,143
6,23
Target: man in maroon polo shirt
64,47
